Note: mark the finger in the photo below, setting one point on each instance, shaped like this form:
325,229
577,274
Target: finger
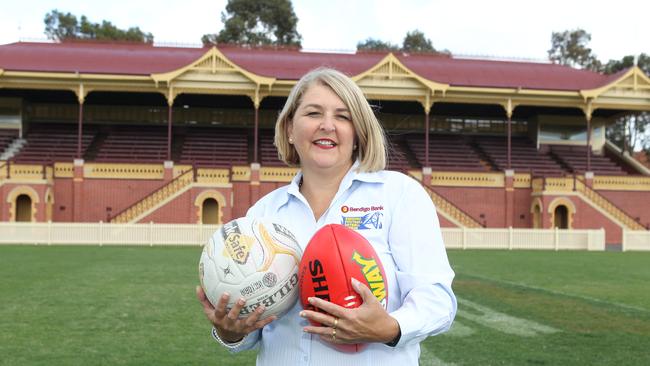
208,309
233,314
255,315
321,331
324,319
331,308
221,308
262,323
363,290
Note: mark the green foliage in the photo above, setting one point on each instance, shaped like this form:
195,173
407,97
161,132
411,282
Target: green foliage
614,66
65,26
136,306
372,44
570,48
415,41
255,23
630,132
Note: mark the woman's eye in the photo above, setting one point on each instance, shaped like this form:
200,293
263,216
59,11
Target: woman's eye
343,117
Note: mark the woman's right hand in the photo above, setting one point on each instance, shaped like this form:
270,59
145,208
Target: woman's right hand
229,326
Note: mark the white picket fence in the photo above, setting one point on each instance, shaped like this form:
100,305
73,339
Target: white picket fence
509,238
636,240
105,234
189,234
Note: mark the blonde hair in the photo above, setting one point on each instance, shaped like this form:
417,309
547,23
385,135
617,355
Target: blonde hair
371,142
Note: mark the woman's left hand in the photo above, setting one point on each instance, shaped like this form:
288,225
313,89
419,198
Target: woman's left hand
367,323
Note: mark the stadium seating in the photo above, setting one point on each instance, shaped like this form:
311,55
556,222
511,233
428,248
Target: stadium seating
133,144
447,153
212,147
524,155
6,137
49,143
268,153
575,157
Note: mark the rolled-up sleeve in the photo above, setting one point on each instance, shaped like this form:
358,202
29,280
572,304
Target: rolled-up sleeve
423,273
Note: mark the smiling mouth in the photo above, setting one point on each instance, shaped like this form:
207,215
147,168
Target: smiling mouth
325,143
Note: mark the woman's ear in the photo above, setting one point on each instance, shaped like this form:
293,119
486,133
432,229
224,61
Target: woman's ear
290,132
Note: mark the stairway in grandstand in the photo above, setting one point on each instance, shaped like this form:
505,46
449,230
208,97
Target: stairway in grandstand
450,211
605,206
156,199
49,143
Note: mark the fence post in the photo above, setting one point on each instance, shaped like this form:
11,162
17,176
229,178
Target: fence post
200,233
150,233
623,237
464,237
557,239
49,232
101,233
510,238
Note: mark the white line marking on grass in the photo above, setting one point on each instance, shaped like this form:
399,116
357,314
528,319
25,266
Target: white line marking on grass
501,322
459,329
555,292
427,358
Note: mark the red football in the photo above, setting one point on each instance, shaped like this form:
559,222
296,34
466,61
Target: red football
333,256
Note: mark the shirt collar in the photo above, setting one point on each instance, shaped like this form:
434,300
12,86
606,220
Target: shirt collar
348,179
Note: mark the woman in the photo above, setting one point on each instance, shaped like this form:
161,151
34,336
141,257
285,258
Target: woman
328,129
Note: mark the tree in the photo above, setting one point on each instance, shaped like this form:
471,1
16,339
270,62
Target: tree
630,132
570,48
60,26
372,44
614,66
415,41
65,26
253,22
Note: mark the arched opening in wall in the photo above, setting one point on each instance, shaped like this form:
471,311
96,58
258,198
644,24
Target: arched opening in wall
210,212
537,217
23,208
561,217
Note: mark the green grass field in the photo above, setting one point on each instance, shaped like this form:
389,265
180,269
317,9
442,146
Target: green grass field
136,306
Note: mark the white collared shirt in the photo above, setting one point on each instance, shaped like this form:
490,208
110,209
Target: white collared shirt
398,218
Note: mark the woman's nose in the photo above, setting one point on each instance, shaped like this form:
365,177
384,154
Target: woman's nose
327,124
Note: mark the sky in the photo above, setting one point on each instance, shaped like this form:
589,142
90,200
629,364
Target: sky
512,29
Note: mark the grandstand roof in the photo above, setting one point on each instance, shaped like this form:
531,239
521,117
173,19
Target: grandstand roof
289,64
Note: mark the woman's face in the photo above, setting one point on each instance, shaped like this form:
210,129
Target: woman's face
322,131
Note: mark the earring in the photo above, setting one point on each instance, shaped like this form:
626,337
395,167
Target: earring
290,140
354,147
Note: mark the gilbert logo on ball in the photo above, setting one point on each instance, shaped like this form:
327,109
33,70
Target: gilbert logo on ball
255,259
334,255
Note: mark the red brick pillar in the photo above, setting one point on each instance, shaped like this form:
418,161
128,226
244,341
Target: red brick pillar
168,170
77,190
426,175
589,179
255,182
510,196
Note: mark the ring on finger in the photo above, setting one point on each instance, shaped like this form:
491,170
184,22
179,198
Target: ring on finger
336,323
333,334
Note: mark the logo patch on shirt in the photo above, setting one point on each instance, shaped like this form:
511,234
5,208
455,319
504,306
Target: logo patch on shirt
364,209
368,221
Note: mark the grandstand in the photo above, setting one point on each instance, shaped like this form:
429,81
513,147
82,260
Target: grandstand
164,134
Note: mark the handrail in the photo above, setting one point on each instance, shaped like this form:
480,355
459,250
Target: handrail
153,198
607,205
445,205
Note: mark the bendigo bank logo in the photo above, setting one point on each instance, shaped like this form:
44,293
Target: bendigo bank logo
372,274
370,218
